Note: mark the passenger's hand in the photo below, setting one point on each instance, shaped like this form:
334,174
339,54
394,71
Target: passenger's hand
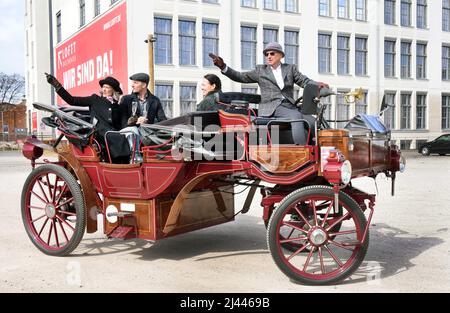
323,85
142,120
132,121
53,81
218,61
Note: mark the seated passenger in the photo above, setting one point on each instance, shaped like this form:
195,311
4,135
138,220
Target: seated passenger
106,113
141,107
210,86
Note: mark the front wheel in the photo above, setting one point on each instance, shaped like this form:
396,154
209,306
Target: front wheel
425,151
53,210
333,254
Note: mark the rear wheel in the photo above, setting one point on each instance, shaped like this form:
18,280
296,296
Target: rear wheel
332,254
53,210
425,151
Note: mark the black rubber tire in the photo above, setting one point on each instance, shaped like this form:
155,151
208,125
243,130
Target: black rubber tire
278,214
425,151
77,194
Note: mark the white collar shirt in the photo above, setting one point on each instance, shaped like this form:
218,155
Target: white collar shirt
278,73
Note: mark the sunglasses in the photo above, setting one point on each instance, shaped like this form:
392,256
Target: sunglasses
270,54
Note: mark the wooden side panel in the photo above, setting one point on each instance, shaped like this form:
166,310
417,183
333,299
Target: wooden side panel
199,210
280,159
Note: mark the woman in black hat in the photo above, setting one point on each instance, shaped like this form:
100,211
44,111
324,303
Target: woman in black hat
106,113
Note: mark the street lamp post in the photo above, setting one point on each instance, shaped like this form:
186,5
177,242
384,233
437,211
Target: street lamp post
151,61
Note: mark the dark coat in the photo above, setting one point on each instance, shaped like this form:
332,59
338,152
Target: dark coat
108,116
155,110
209,103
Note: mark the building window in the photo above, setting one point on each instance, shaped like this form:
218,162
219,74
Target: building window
324,8
342,110
210,42
421,111
421,13
389,12
405,144
446,62
360,56
82,13
389,115
325,53
361,105
270,5
343,55
291,43
187,42
405,111
248,47
446,112
270,35
446,15
58,27
97,7
361,10
405,13
406,60
165,93
163,45
389,58
421,61
343,9
291,6
248,3
188,99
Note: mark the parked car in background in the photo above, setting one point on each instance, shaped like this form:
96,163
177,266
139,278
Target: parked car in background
439,146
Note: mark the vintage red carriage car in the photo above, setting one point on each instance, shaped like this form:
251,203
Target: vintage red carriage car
317,222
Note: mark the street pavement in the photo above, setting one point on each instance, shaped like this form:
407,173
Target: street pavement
409,249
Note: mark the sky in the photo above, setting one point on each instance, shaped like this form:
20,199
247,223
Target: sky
12,36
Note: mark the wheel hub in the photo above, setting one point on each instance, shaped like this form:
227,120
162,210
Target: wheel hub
318,237
50,211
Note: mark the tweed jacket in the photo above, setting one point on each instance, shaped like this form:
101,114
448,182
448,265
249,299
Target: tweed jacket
271,94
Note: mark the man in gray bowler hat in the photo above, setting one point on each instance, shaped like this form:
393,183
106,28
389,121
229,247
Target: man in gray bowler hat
276,81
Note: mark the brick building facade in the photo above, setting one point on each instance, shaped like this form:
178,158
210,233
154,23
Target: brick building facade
13,121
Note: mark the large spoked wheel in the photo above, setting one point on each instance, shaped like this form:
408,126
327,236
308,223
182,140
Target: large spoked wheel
53,210
333,253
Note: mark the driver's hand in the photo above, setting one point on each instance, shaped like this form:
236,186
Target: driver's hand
323,85
218,61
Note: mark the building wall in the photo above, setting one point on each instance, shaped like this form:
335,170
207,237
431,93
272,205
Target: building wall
231,16
14,117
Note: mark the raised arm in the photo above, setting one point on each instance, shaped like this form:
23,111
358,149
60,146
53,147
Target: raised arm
66,96
240,77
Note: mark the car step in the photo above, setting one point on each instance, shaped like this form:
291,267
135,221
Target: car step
124,233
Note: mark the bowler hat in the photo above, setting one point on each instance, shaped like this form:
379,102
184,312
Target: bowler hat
274,46
141,77
114,83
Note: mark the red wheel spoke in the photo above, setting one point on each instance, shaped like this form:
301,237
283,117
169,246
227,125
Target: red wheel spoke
42,200
64,232
340,220
56,234
67,213
61,194
303,217
65,223
288,224
49,185
334,243
322,263
64,203
308,261
38,219
43,226
50,234
35,208
328,214
54,189
342,233
43,192
335,258
313,205
298,252
293,239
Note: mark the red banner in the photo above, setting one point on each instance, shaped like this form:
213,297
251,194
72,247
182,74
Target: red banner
98,51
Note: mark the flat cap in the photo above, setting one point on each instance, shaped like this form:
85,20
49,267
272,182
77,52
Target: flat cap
141,77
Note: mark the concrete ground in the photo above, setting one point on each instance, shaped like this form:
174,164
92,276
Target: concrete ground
409,249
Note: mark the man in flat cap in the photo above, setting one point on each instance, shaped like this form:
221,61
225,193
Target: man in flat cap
276,81
141,107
